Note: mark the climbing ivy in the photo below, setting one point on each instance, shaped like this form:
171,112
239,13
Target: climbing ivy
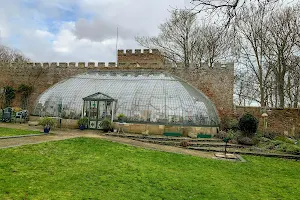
9,95
25,91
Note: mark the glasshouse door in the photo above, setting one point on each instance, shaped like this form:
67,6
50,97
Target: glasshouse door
101,113
93,114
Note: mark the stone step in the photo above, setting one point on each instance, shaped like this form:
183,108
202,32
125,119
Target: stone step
245,152
216,144
194,144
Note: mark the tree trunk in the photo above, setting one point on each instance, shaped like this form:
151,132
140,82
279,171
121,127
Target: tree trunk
281,91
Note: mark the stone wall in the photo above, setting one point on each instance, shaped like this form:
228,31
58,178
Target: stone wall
137,56
216,83
283,121
153,129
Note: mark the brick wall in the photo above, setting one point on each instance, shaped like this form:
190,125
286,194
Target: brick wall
217,83
283,121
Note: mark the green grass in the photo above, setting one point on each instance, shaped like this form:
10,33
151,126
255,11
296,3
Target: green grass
85,168
15,132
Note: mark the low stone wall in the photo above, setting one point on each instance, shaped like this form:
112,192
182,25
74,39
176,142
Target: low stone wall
155,129
152,129
284,121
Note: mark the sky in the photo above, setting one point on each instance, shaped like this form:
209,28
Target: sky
79,30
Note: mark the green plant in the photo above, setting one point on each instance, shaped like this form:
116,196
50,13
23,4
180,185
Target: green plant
289,148
184,144
285,139
245,140
228,123
121,116
25,91
221,134
83,121
9,93
248,124
47,122
106,124
270,134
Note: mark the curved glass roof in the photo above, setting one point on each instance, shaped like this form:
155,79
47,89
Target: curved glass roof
162,98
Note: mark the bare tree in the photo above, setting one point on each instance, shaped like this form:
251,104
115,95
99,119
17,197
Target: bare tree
9,55
177,38
229,9
251,33
281,44
245,87
216,44
182,41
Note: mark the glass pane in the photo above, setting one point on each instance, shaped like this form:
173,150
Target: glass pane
93,110
102,110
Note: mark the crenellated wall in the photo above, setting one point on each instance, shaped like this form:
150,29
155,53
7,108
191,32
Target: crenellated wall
216,83
142,57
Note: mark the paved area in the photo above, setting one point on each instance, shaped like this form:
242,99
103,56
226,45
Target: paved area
63,134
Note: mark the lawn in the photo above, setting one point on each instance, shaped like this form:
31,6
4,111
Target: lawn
13,132
84,168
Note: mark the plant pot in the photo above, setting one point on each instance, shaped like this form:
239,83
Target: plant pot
105,130
82,127
46,130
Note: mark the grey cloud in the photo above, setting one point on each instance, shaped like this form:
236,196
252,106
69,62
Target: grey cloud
134,18
99,30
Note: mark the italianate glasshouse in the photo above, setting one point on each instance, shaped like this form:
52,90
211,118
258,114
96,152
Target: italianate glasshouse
144,97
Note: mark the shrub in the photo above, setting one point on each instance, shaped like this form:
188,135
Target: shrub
231,133
285,139
245,140
270,134
229,123
83,121
106,124
184,144
121,117
297,135
47,122
221,134
289,148
248,124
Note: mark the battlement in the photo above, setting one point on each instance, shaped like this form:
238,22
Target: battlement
216,66
92,65
142,64
142,52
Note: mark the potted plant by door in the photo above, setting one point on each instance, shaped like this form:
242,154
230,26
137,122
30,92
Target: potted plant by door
121,118
82,123
106,125
48,123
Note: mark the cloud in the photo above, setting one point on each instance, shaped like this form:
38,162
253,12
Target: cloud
99,30
79,30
